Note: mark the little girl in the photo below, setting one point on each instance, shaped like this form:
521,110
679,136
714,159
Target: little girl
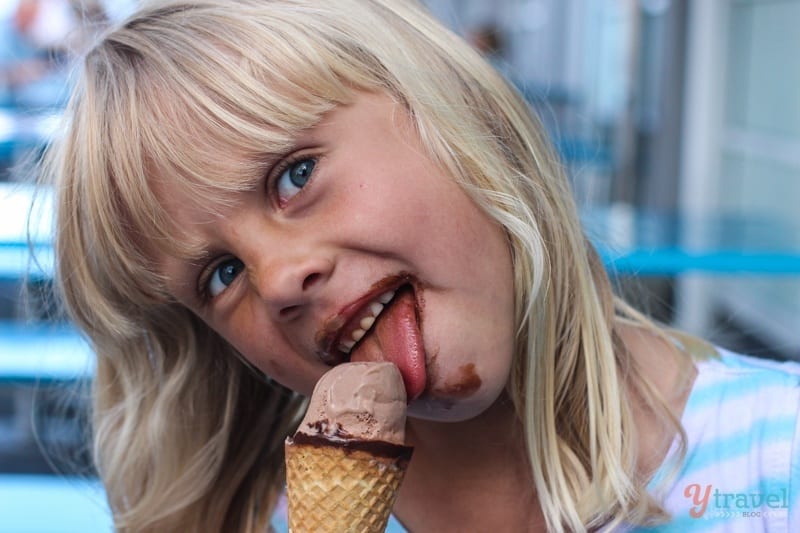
253,191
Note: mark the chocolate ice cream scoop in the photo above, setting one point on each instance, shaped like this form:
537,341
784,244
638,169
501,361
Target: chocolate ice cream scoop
358,401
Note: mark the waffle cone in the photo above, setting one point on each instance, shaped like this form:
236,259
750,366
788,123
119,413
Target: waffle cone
339,488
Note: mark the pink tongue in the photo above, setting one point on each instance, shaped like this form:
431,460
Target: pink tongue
396,338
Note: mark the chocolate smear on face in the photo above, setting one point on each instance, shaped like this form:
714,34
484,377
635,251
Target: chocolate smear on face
468,383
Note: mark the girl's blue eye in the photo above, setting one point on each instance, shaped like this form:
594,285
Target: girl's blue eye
224,274
294,178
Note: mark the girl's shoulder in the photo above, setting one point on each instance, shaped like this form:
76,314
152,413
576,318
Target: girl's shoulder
741,470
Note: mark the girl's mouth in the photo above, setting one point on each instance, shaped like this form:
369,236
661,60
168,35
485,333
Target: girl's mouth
363,322
385,327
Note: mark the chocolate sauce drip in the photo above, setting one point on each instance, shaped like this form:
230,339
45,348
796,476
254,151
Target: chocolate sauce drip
374,447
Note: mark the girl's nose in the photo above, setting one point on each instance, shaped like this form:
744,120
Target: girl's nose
289,283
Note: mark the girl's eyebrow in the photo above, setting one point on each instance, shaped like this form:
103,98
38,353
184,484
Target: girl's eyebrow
183,248
193,253
188,246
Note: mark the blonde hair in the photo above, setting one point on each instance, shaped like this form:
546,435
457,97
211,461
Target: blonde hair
187,436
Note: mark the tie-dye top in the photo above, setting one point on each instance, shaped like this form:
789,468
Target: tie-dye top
742,468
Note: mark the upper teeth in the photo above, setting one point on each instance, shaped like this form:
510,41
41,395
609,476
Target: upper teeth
386,297
371,313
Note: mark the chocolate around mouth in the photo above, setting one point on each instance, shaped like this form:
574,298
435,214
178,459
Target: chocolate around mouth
395,336
330,339
337,328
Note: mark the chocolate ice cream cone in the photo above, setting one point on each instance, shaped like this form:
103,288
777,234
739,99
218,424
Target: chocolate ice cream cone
347,459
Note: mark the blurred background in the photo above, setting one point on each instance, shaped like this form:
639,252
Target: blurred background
678,122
